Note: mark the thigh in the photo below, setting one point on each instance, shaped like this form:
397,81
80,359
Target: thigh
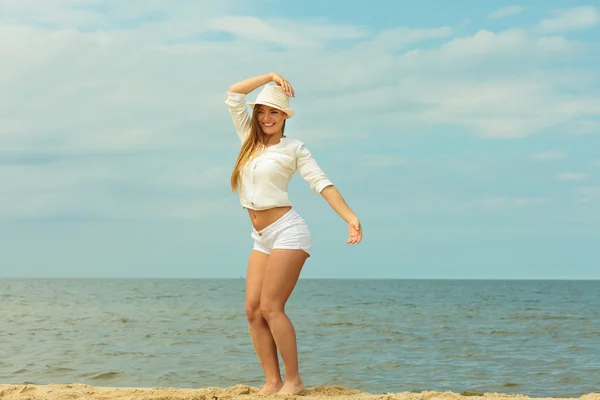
257,265
281,275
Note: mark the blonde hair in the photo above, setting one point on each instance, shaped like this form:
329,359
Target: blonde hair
250,147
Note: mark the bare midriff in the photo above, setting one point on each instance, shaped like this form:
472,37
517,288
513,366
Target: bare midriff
262,218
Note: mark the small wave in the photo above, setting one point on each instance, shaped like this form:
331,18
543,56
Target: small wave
166,296
386,332
106,376
21,371
334,324
50,369
102,376
167,377
183,343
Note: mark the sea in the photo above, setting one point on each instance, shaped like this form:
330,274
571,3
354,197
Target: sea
538,338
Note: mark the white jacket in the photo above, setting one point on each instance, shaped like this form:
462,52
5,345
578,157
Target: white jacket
265,179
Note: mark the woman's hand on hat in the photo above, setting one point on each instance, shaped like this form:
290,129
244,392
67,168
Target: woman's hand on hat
285,85
355,231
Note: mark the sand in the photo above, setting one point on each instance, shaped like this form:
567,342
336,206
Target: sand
238,392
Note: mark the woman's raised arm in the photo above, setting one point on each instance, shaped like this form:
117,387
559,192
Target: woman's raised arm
250,84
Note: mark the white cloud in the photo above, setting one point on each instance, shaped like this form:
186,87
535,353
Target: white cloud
62,12
549,155
287,33
491,108
112,185
395,39
571,176
506,11
512,43
577,18
115,14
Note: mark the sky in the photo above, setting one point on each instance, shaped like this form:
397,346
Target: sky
464,134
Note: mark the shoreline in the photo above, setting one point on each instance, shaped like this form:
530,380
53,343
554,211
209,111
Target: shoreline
238,392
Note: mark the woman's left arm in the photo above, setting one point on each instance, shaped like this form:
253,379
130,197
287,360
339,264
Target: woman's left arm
337,202
319,183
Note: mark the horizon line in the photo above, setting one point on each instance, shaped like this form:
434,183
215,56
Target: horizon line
324,278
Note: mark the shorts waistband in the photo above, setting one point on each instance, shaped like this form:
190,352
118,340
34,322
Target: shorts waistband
291,214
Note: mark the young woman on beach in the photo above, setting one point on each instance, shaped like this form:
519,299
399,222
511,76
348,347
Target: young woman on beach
282,240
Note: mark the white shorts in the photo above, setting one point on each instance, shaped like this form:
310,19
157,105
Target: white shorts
288,232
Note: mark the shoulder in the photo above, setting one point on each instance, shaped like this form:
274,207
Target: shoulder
295,145
295,142
298,149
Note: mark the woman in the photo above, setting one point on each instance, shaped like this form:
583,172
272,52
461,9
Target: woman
282,241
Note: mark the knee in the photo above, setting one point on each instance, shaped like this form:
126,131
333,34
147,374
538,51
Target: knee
269,309
253,313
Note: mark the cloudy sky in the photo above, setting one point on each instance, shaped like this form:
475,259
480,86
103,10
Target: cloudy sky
464,134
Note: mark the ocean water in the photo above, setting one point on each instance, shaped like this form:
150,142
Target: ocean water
540,338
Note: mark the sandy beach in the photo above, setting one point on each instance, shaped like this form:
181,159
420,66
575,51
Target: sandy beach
238,392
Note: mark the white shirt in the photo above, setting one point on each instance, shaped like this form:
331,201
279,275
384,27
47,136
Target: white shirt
264,180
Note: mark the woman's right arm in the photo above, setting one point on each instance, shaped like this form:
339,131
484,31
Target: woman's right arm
236,102
248,85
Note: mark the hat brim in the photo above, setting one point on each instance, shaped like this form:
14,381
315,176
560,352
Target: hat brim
290,113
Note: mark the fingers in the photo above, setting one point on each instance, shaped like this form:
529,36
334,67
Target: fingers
288,89
285,85
355,234
354,239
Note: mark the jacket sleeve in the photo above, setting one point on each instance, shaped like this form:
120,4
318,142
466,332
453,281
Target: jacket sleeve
239,113
309,170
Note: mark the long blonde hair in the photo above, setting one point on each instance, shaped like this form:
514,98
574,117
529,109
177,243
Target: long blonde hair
251,145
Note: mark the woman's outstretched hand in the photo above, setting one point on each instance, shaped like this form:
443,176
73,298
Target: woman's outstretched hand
287,87
355,231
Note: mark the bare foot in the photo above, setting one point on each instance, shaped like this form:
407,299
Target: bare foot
292,388
270,388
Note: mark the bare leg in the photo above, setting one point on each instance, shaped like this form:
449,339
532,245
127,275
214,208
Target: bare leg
282,272
261,336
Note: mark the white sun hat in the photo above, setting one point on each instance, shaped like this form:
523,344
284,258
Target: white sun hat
274,96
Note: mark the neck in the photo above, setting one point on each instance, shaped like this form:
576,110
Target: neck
269,140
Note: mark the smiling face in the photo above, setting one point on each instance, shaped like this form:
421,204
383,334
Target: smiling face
270,119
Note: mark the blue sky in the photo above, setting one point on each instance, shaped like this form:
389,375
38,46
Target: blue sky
464,134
